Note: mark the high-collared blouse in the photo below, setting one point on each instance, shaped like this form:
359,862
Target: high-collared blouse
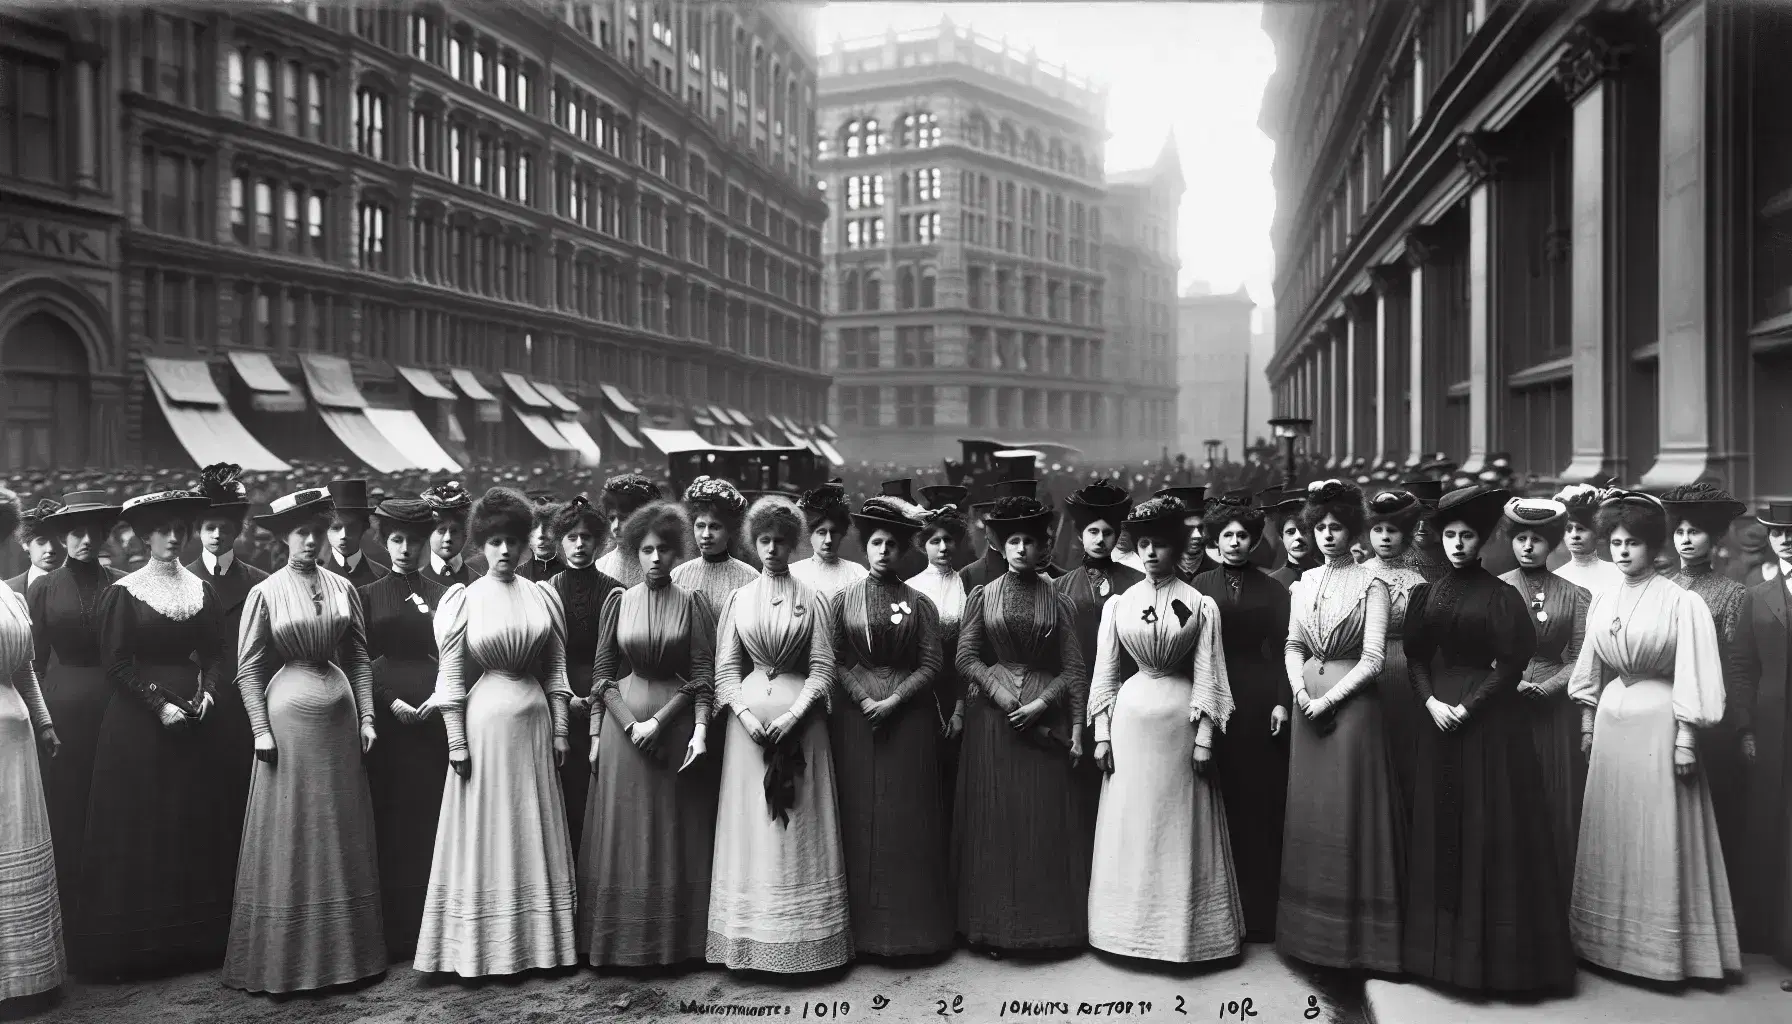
1338,612
656,631
509,626
16,657
827,576
1653,629
1558,612
1162,627
1024,625
1400,577
885,624
714,580
305,615
946,590
626,571
775,624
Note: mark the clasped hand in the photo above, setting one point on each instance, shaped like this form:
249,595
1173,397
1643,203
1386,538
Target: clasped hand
1447,717
877,712
1022,718
768,735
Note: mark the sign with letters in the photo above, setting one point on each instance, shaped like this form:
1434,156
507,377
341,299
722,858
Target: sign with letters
54,240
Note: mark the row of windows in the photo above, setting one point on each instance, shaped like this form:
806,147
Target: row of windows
862,349
1010,351
915,288
281,217
866,191
291,99
866,136
862,405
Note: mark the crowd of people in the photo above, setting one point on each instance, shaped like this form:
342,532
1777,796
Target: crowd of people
1404,723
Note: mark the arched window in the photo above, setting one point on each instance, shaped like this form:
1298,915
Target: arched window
1007,140
874,291
1057,155
927,287
920,130
850,140
905,288
849,292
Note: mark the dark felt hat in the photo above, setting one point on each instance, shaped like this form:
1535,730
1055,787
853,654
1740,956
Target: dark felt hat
1018,514
289,510
1103,500
350,496
406,512
1706,505
227,495
887,512
1776,516
1016,464
1017,489
31,520
80,507
903,488
1192,495
1478,506
941,495
1429,492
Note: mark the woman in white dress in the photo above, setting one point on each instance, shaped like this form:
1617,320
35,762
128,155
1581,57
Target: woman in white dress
501,886
32,960
827,517
777,898
1651,898
1585,569
1162,885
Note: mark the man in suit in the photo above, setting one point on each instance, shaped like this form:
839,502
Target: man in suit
44,551
349,519
218,529
1756,716
449,505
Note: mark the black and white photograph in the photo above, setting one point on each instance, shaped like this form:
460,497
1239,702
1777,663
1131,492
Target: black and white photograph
886,511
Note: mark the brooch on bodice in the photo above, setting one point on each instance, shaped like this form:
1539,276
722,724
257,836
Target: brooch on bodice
1149,615
898,611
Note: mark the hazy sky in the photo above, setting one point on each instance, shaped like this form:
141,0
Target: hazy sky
1197,69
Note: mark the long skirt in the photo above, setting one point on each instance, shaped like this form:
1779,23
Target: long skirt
405,772
1554,723
1252,769
501,895
1403,717
892,825
229,744
1162,885
1343,855
1485,902
1651,898
575,773
307,908
155,888
1020,838
777,896
31,951
644,864
77,696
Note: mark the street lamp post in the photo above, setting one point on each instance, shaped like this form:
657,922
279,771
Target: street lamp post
1287,429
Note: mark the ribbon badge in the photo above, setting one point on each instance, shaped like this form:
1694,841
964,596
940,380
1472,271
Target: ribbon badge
898,611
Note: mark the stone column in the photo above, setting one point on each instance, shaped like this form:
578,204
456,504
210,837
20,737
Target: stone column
1421,249
90,117
1476,153
1386,281
1585,74
1352,346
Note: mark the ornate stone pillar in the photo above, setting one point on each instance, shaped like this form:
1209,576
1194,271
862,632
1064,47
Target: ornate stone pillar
1479,159
1386,281
1586,75
89,116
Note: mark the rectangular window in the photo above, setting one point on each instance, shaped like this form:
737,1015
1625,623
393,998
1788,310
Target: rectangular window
28,118
457,146
234,76
239,213
314,225
373,236
314,106
291,97
264,90
264,215
525,180
292,230
174,307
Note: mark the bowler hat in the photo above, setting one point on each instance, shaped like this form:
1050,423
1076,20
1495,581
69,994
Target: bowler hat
1776,516
903,488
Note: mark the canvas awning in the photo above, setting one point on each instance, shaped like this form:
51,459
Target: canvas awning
406,432
471,386
618,400
721,416
344,410
738,440
524,391
701,417
826,431
740,418
556,397
828,450
759,439
800,441
269,389
425,383
544,430
201,421
582,441
623,437
672,441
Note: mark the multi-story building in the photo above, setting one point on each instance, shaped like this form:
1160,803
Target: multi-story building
1139,240
1554,229
1214,363
596,213
964,262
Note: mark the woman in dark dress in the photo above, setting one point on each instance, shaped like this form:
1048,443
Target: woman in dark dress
544,561
449,504
1486,907
64,608
1282,513
1252,755
1558,612
886,739
644,865
581,531
941,538
1020,833
406,769
152,899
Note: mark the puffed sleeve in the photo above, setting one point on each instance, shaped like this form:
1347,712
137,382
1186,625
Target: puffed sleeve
1070,687
1698,668
1296,651
1514,640
117,617
553,657
820,684
1376,609
1418,643
1105,679
927,634
1590,670
24,678
255,657
450,695
969,661
605,694
355,663
700,687
731,656
1210,698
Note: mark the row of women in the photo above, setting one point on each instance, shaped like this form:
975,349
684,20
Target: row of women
1429,770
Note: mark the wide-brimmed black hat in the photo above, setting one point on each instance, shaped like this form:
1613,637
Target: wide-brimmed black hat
903,488
887,512
228,498
290,510
1161,515
941,495
1776,516
1102,500
80,507
1705,505
1429,492
148,510
1192,495
415,512
350,496
1017,489
1018,514
1278,502
1478,506
31,520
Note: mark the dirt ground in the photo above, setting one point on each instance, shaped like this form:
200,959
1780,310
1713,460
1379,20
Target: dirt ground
1260,988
